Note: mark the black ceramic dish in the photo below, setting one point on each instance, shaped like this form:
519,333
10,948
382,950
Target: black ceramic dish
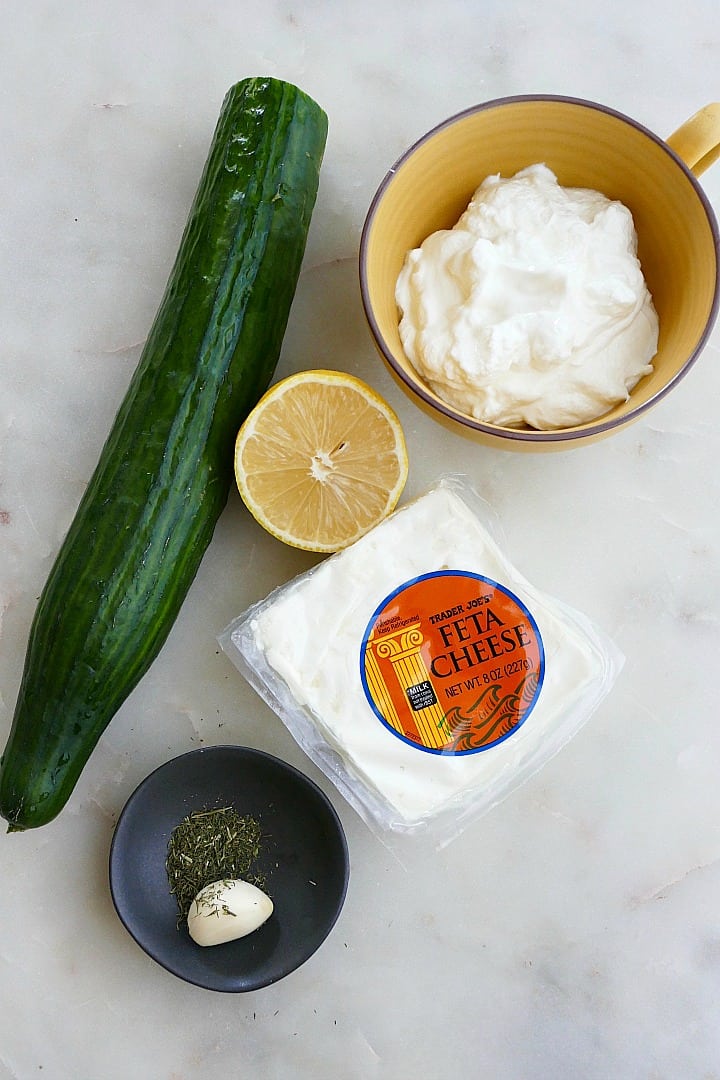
304,859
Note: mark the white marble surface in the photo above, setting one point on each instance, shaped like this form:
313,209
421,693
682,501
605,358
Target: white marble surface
571,933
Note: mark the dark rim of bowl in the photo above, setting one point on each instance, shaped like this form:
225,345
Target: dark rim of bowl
524,434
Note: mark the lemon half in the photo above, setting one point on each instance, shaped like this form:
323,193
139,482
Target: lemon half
320,460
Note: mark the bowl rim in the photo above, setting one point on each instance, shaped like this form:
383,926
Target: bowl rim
525,435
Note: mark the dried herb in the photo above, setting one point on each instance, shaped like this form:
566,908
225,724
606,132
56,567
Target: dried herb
208,846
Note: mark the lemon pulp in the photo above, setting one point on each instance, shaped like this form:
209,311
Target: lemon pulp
320,460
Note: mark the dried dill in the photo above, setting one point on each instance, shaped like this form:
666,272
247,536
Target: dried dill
210,845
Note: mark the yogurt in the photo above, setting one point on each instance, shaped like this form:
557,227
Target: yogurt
533,310
420,669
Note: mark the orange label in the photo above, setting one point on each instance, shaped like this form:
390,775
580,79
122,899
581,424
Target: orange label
452,662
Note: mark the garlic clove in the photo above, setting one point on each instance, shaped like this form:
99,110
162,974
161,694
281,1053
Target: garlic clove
227,910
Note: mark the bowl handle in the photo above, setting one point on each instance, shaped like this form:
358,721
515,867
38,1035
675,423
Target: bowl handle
697,141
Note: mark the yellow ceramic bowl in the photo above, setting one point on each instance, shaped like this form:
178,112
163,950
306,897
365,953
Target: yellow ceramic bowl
586,145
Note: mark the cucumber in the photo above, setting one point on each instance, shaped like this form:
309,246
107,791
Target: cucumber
164,474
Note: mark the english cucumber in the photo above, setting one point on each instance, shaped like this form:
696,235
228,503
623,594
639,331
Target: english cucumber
164,474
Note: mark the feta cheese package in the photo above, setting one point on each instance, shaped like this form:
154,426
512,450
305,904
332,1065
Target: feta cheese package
423,674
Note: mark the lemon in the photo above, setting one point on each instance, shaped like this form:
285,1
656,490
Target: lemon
320,460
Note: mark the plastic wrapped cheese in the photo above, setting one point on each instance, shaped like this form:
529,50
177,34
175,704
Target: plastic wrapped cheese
420,670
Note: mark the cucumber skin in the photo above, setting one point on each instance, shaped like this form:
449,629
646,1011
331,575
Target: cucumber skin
165,472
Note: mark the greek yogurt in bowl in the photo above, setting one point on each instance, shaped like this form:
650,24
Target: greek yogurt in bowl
533,309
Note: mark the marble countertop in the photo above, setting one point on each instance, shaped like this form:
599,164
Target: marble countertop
572,932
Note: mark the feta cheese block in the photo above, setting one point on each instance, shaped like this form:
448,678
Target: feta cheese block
419,669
